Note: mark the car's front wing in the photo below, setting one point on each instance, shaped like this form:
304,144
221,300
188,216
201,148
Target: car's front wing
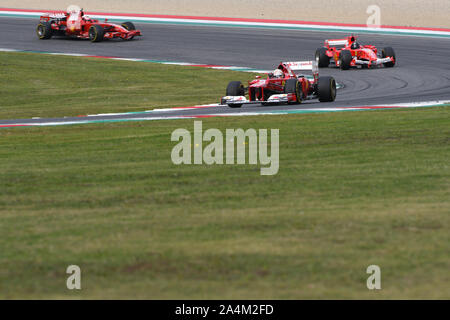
276,98
374,62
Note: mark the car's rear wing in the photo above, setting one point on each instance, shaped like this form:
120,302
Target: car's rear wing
300,65
58,16
340,42
337,42
303,66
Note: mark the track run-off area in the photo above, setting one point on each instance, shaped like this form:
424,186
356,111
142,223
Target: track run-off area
420,78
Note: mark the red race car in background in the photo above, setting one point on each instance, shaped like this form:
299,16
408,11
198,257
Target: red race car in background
347,53
74,23
282,86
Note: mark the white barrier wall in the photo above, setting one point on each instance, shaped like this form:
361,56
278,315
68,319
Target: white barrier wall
417,13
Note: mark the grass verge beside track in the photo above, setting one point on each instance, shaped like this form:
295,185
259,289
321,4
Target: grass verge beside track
354,189
35,85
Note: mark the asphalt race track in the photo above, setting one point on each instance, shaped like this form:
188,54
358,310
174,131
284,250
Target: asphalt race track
422,72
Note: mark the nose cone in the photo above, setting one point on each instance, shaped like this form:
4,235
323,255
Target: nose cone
370,54
259,83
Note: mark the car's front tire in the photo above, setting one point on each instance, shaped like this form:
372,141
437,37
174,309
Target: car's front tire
293,86
389,52
326,89
129,26
235,88
44,30
345,59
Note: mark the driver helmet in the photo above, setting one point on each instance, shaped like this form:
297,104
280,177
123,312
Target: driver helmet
355,45
277,73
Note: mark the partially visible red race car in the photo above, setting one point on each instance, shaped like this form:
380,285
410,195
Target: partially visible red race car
282,86
347,53
74,23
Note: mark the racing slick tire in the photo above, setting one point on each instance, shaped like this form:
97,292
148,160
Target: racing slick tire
96,33
293,86
389,52
44,30
321,57
235,88
326,89
129,26
346,58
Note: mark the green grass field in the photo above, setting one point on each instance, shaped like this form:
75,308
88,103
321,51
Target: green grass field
34,85
353,189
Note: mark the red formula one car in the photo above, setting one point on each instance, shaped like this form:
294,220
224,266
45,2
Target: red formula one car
282,86
74,23
346,53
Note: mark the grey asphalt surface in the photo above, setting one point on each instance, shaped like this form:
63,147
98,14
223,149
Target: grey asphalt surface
422,72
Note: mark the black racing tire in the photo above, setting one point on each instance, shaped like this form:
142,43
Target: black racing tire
326,89
389,52
235,88
44,30
346,58
129,26
96,33
293,86
323,61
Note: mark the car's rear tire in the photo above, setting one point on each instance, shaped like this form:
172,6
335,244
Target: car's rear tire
293,86
129,26
44,30
326,89
345,58
235,88
389,52
96,33
322,59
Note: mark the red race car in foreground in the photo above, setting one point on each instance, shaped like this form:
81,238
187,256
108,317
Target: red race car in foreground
347,53
74,23
282,86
